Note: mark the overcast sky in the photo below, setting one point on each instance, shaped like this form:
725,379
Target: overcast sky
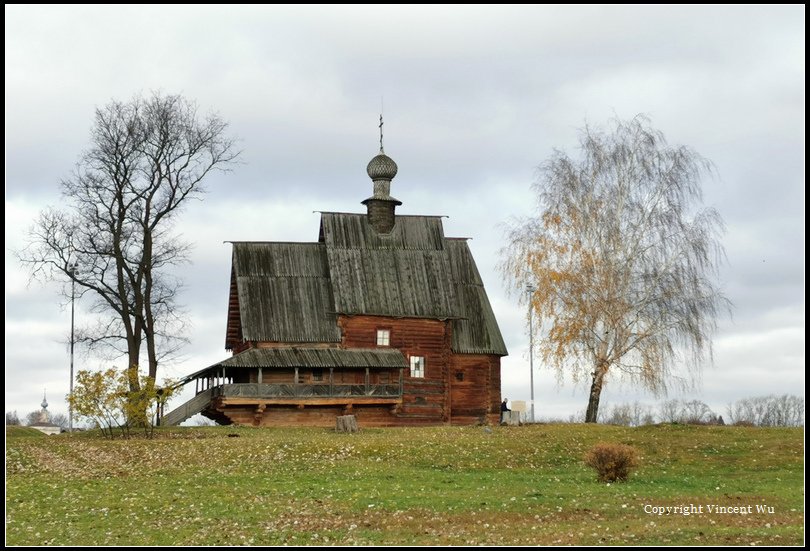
475,98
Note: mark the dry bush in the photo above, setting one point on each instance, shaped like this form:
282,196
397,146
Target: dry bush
612,462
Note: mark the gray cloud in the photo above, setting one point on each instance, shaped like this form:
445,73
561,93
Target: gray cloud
475,99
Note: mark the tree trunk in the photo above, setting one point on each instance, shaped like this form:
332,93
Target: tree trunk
346,423
148,283
133,355
592,413
151,348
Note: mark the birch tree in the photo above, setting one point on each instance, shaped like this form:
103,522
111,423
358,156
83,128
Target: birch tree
624,259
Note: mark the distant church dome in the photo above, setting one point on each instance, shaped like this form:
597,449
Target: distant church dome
381,167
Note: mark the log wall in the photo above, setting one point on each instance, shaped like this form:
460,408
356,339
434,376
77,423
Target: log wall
425,399
316,416
475,388
456,388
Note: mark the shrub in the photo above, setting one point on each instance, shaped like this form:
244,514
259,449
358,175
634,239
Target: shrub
612,462
113,398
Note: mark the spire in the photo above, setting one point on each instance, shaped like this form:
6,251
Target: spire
381,206
382,150
44,403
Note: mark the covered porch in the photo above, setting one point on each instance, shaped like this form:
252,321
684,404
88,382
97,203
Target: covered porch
261,378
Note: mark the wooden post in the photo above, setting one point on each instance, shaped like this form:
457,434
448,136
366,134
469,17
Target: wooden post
196,386
401,381
367,381
296,382
331,381
346,423
260,376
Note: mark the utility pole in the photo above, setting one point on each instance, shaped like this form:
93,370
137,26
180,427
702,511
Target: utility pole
530,289
72,269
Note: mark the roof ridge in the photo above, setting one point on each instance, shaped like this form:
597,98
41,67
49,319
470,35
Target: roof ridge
274,242
363,214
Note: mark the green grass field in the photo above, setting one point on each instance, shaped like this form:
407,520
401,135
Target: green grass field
23,432
426,486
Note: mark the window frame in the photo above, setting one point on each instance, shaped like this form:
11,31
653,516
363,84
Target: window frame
418,367
385,332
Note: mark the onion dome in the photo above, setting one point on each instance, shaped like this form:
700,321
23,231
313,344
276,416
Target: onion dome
382,167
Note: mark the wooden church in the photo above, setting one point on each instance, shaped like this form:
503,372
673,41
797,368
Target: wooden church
383,317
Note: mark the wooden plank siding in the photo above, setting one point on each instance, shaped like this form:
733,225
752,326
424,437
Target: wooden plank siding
475,388
424,399
367,416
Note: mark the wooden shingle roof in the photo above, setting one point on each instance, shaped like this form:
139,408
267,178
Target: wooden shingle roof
315,358
284,293
292,292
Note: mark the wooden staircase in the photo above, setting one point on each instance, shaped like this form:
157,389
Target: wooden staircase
194,406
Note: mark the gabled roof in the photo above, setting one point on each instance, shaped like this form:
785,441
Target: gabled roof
292,292
399,283
340,230
283,293
476,332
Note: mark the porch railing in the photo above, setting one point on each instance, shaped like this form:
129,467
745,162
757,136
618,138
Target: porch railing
291,390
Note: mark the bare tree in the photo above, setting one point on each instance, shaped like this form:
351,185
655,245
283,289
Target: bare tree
630,415
34,417
642,414
60,419
670,411
619,414
113,235
768,411
623,258
12,419
695,412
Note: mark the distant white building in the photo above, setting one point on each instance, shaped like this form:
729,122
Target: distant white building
43,423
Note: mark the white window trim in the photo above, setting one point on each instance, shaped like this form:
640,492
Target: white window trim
383,337
417,367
